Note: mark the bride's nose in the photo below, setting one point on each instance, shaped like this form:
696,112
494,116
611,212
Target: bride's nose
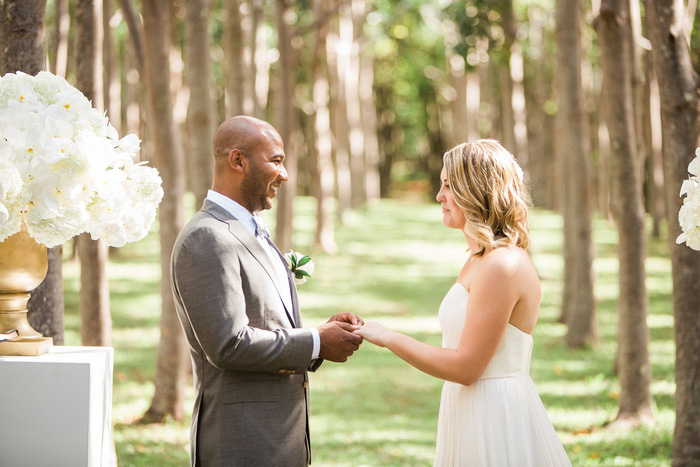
440,197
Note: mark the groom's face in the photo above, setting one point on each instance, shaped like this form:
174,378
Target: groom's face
265,172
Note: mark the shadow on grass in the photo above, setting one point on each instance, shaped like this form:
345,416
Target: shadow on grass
396,262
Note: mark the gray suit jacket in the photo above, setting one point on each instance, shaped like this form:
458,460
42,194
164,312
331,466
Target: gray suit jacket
249,361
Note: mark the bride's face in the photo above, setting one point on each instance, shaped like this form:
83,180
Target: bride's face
452,215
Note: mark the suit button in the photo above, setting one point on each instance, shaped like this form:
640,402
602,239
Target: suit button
306,384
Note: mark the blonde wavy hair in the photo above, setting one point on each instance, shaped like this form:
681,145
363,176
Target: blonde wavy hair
487,184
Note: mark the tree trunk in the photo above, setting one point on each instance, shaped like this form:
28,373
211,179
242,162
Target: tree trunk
322,171
388,138
506,80
571,146
475,78
96,324
458,79
634,369
678,86
338,64
94,304
46,303
59,61
131,114
491,80
369,122
535,99
23,48
111,76
285,126
200,108
652,136
519,111
170,369
234,48
351,19
135,32
259,65
602,187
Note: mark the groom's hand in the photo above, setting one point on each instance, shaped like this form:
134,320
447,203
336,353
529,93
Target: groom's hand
349,318
338,341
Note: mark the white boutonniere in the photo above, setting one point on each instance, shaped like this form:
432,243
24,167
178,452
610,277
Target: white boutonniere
301,266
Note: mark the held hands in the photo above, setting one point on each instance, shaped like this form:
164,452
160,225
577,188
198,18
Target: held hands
374,332
338,341
349,318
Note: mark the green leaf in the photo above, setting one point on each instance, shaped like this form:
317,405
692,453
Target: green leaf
299,273
304,260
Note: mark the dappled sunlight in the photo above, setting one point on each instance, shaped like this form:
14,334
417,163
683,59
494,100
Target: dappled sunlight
153,444
395,263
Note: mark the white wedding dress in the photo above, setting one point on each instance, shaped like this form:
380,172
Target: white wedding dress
498,421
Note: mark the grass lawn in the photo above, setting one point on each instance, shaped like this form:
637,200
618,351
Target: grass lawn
395,264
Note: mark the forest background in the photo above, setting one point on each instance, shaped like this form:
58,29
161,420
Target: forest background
598,101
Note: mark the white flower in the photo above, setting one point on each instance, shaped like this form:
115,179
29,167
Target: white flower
63,165
10,188
301,266
689,213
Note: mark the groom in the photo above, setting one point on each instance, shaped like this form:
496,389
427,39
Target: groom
238,308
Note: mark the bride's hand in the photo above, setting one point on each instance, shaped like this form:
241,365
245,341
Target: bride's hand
375,333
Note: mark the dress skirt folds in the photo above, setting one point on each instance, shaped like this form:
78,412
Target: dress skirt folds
498,421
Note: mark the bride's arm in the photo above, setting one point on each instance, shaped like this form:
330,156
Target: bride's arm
492,297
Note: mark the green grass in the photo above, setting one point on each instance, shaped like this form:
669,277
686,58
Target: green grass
396,262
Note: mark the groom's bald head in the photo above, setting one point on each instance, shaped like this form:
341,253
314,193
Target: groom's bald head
243,133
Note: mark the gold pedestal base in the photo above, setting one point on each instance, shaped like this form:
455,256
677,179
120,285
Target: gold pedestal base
26,348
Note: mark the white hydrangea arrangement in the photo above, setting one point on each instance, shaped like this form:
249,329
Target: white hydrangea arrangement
64,167
689,214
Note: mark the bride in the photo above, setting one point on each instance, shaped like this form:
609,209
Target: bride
490,412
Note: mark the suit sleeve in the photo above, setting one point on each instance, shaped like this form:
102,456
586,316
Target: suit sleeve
227,306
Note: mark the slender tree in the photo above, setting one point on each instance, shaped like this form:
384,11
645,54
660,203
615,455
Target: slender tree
352,18
678,86
338,63
260,64
652,135
200,112
571,148
616,42
170,362
112,74
234,47
322,170
95,317
513,114
538,79
59,57
285,124
369,124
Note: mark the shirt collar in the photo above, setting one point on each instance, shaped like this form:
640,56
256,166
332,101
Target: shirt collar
234,208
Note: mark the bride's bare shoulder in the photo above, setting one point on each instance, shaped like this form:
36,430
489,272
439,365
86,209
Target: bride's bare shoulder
512,264
506,259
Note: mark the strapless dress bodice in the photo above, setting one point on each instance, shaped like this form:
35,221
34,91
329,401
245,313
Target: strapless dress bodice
512,358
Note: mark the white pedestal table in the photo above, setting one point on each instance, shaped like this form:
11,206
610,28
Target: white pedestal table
56,409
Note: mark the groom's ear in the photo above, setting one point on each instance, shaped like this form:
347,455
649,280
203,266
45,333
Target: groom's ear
236,160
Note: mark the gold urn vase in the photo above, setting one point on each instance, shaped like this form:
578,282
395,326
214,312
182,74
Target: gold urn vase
23,266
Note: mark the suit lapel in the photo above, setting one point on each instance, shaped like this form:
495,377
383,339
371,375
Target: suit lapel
296,320
249,241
